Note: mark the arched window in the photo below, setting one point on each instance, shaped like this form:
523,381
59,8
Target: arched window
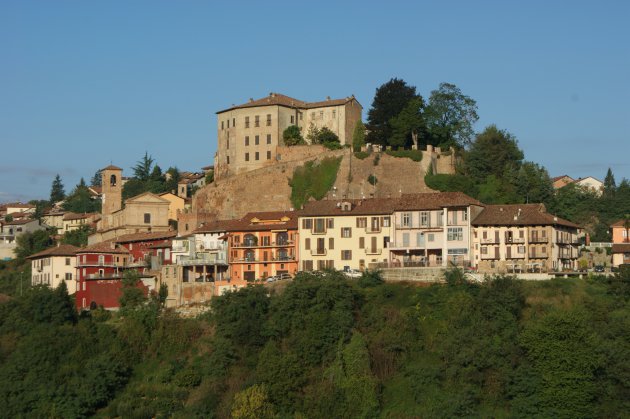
283,254
282,238
112,180
250,240
250,256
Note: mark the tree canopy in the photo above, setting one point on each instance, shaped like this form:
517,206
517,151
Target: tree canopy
450,117
390,99
292,135
57,192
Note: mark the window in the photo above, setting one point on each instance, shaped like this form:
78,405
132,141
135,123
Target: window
334,113
440,219
330,223
464,215
431,237
361,242
307,223
268,138
455,233
346,255
292,117
386,221
268,155
257,155
247,140
246,156
457,251
67,261
147,218
331,243
320,226
346,232
406,219
228,124
375,223
521,249
247,122
307,265
484,250
321,114
227,142
257,121
227,160
222,126
419,239
268,119
361,222
424,219
307,244
68,276
405,239
301,116
257,140
233,122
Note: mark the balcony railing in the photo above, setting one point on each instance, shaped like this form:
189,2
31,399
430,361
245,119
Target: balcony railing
373,251
490,240
265,260
101,264
272,244
104,276
400,226
539,240
515,240
202,261
318,252
538,255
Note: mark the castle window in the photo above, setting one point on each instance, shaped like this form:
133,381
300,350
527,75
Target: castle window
334,112
147,218
257,155
228,160
268,119
222,122
246,156
257,139
228,123
321,114
228,144
268,138
292,121
247,122
233,122
268,155
112,180
247,140
257,121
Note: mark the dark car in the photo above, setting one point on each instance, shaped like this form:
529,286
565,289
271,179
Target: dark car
598,268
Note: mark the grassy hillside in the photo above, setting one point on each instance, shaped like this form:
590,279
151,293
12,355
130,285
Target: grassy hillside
328,347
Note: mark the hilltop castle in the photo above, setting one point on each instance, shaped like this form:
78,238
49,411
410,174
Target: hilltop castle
249,136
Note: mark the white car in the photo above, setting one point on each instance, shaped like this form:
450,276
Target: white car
353,273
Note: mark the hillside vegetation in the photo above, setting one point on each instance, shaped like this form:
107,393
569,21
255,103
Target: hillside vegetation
328,347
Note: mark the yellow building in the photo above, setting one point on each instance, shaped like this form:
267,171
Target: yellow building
346,234
248,135
55,265
176,204
524,238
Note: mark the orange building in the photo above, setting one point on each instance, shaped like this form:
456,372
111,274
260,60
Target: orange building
263,244
621,242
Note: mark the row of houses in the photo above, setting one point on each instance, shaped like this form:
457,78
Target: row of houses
417,230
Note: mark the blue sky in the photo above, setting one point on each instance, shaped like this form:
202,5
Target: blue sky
85,84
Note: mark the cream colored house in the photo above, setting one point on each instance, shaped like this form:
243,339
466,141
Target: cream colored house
55,265
433,229
143,213
54,218
248,135
523,238
72,221
346,234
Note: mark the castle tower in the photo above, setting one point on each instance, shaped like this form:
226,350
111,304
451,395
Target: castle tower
111,181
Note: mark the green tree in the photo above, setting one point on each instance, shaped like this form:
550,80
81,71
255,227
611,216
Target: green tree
32,242
358,136
97,179
80,200
132,296
252,403
78,237
292,136
390,99
450,116
409,124
492,153
57,192
41,205
142,169
609,184
533,184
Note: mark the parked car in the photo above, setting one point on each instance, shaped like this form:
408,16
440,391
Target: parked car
352,273
272,279
598,268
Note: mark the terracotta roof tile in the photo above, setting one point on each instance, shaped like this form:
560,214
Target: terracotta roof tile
519,215
107,246
61,250
111,167
75,216
283,100
621,248
619,223
269,220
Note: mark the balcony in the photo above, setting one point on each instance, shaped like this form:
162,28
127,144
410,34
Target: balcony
372,230
140,263
104,276
537,255
318,252
289,258
418,225
514,240
201,259
99,264
281,243
490,240
373,251
538,240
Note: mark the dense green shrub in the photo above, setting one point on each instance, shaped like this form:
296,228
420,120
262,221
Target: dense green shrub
361,155
415,155
313,180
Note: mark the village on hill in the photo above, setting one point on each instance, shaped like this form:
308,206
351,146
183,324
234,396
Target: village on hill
305,186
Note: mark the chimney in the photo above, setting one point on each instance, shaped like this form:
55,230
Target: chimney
327,97
251,100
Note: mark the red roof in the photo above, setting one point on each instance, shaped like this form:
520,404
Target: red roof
141,237
519,215
263,221
103,247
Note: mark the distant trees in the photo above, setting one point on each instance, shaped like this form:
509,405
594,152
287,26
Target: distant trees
57,192
409,124
81,200
148,177
32,242
78,237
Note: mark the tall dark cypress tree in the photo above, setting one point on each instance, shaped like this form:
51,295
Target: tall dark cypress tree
57,192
